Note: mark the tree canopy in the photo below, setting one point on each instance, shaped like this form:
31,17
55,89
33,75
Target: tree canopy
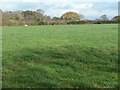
104,17
116,18
72,16
37,17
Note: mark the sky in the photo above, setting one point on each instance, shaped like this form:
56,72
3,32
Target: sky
91,9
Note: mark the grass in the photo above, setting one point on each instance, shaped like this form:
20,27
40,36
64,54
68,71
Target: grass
60,56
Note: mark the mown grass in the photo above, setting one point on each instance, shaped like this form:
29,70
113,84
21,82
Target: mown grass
60,56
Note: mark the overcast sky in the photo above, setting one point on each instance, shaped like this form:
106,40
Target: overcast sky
91,10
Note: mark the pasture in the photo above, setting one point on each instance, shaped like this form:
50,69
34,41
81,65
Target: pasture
60,56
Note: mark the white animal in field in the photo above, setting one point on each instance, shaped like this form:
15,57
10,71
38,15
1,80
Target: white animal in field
26,25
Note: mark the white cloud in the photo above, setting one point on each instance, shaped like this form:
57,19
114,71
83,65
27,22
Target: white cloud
91,13
59,8
83,5
8,6
60,1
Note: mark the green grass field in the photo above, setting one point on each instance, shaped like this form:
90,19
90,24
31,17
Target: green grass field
60,56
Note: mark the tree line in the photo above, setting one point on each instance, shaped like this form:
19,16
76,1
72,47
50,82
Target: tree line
28,17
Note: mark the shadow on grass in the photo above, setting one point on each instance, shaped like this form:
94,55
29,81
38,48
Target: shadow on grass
59,66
